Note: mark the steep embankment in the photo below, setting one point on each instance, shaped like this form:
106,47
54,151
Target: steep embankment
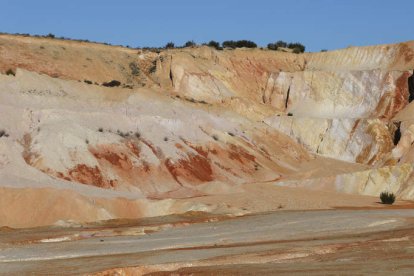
190,122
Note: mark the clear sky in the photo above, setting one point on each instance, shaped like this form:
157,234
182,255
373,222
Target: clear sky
318,24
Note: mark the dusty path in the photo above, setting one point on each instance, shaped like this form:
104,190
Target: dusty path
262,242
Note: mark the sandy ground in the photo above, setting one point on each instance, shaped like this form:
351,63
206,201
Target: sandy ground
263,197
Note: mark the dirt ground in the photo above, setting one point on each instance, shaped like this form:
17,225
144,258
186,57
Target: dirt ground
358,240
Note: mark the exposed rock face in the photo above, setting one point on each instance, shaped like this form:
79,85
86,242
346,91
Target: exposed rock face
183,119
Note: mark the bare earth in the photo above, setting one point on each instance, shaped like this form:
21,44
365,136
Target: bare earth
300,242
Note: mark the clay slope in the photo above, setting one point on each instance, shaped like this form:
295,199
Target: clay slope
131,133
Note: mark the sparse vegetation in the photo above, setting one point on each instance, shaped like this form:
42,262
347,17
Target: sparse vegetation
275,46
122,134
214,44
297,47
387,198
153,67
169,45
127,86
281,43
134,69
137,134
215,137
324,50
165,139
190,43
192,100
87,81
50,35
100,129
271,46
239,44
10,72
3,133
112,83
290,114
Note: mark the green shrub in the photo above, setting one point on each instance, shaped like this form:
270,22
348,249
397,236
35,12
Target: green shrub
170,45
239,44
134,68
272,46
214,44
10,72
50,35
387,198
297,47
277,45
281,43
190,43
229,44
3,133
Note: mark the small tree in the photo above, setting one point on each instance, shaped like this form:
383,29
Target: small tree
214,44
246,43
170,45
272,46
229,44
239,44
297,47
278,44
50,35
387,198
190,43
281,43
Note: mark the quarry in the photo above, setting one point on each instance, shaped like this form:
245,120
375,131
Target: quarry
196,160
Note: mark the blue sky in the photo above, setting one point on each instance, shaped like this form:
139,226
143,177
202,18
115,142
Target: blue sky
318,24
